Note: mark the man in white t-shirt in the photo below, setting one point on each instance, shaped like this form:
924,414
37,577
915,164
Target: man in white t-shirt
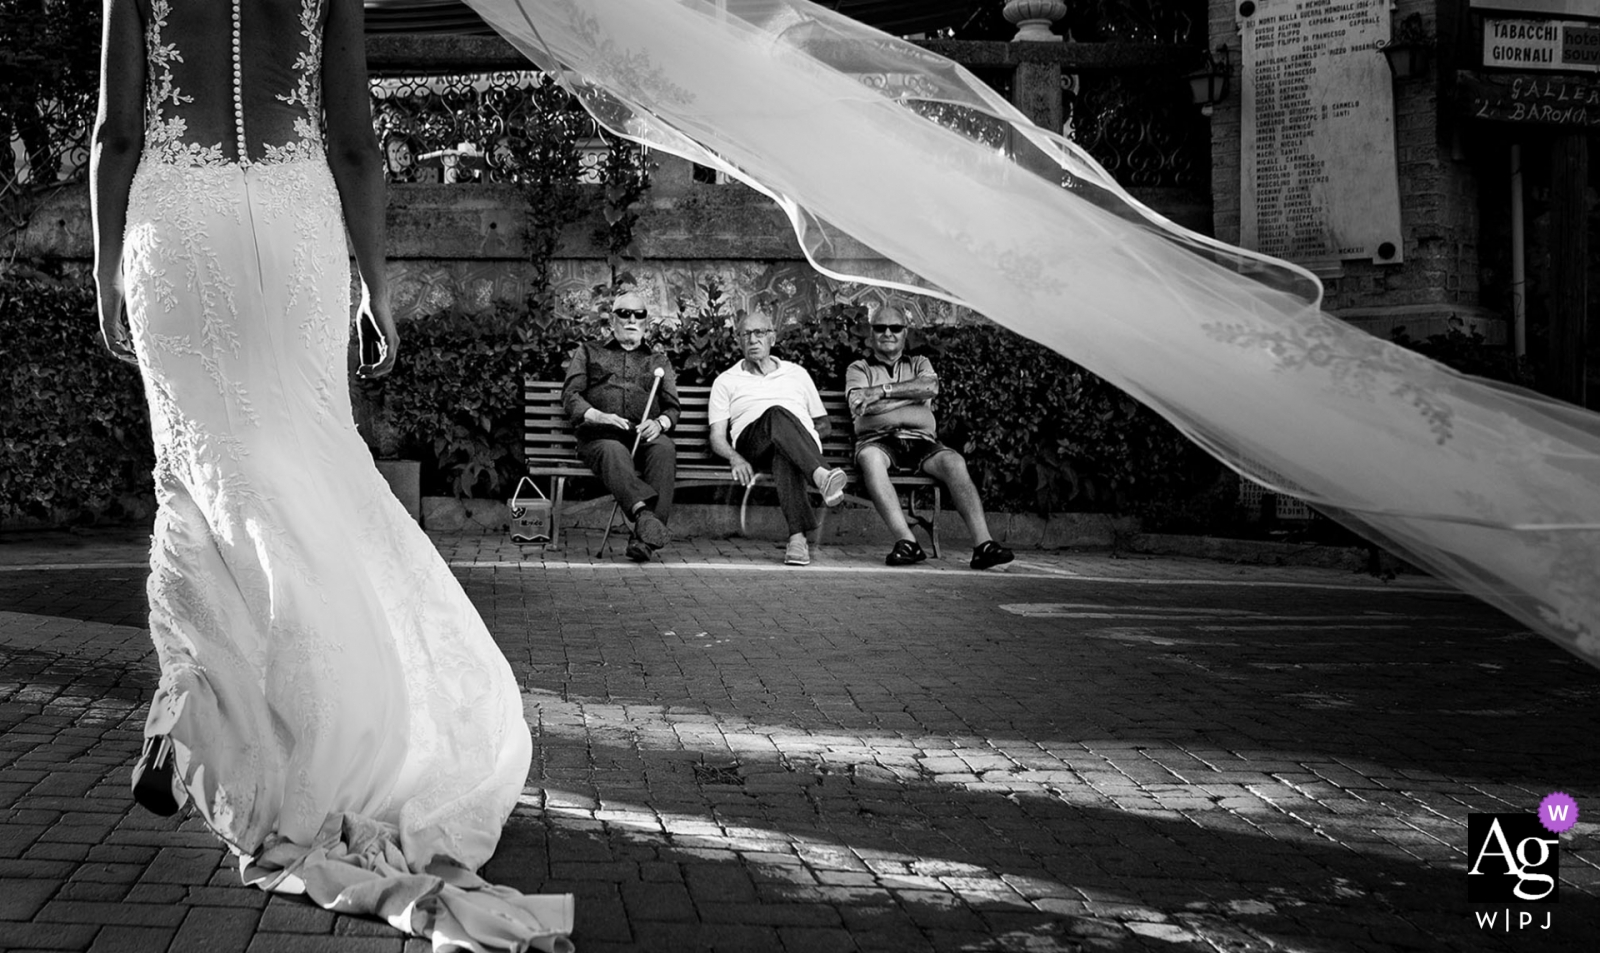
766,412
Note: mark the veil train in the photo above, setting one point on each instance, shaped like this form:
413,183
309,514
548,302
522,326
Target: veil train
1494,488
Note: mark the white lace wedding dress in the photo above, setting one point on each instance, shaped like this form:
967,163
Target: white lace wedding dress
341,716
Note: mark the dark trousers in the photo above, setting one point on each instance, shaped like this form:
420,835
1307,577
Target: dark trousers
779,442
657,461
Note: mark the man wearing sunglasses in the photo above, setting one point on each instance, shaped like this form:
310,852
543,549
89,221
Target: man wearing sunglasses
891,400
766,412
605,394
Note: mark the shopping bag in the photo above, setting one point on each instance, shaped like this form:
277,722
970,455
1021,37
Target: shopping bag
531,517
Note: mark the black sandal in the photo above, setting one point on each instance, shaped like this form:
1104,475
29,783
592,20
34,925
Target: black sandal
991,553
904,553
152,777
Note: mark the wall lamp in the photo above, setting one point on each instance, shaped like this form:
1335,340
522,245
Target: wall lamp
1209,84
1409,49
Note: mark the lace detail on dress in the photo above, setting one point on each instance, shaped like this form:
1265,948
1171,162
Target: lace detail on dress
307,92
166,135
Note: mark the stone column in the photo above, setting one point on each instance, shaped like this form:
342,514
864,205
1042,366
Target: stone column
1036,87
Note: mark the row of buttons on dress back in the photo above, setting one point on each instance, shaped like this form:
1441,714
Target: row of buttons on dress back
238,88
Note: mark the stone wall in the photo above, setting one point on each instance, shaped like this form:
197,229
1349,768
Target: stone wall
1439,278
462,246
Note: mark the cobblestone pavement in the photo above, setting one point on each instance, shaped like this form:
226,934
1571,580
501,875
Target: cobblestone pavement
1073,753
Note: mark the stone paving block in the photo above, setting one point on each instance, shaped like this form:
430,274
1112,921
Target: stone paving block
231,895
601,918
92,890
57,851
126,939
718,883
15,839
815,940
120,853
658,901
126,914
161,838
615,871
771,914
66,784
20,899
293,915
359,926
938,910
183,865
48,936
108,873
308,943
56,870
883,922
660,872
737,938
157,893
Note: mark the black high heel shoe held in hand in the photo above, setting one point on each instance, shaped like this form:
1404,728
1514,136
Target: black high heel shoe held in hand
152,777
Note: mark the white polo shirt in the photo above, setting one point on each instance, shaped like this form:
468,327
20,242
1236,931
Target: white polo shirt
742,397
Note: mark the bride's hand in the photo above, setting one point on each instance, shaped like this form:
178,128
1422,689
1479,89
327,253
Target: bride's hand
376,314
113,329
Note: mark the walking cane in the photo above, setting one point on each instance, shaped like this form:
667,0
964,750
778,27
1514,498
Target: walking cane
637,437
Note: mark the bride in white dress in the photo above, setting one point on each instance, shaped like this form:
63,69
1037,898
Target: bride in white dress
330,702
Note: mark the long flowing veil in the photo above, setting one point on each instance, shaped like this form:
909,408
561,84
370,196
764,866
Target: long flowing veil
875,147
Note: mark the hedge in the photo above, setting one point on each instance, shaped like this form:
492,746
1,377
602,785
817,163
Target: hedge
75,443
1040,433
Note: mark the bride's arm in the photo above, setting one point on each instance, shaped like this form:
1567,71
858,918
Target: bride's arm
113,159
357,165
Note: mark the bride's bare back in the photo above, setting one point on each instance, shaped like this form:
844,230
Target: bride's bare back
233,81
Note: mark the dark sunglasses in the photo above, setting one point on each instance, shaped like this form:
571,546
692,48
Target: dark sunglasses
637,314
891,328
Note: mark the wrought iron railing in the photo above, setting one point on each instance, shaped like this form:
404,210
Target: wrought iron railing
477,127
1139,124
1142,128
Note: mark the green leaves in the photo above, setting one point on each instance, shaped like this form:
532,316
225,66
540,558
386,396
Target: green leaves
456,395
1039,432
75,444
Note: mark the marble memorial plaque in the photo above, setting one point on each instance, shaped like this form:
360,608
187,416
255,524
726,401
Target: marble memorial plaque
1318,180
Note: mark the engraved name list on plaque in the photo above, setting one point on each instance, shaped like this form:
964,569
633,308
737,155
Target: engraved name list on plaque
1318,180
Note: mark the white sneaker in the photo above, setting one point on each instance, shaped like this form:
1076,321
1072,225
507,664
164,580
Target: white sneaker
832,486
798,553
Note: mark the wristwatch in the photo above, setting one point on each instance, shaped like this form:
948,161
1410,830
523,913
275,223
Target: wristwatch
888,388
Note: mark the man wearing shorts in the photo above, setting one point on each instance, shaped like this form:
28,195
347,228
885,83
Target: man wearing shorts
891,399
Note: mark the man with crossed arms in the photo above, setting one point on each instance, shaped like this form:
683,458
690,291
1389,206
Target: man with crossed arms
891,400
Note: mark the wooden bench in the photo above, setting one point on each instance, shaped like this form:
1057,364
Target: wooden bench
551,451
